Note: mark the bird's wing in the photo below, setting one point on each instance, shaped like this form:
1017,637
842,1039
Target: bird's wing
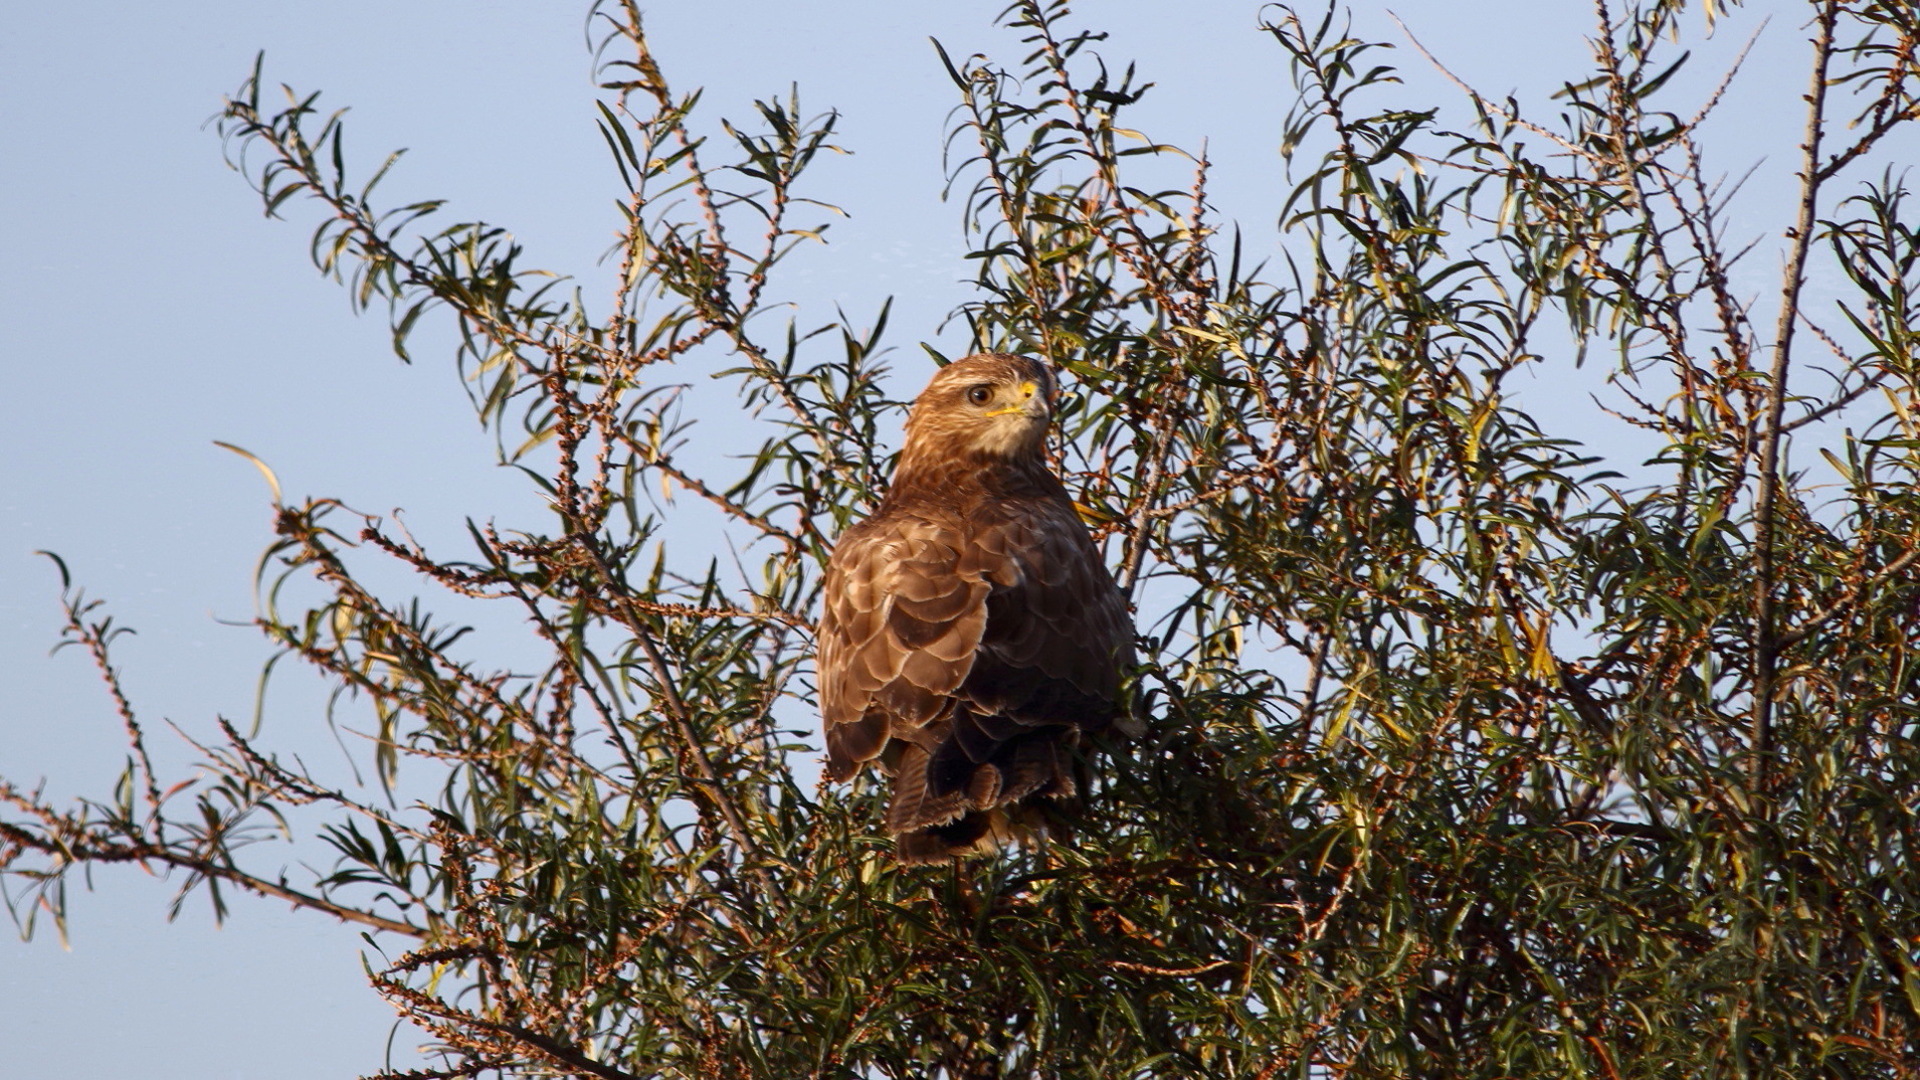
905,608
1058,636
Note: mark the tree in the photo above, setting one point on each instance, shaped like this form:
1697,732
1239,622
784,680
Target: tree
1468,757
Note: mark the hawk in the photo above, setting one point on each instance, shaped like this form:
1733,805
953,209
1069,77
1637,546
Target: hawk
971,633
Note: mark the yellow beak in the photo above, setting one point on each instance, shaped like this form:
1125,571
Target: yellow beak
1027,390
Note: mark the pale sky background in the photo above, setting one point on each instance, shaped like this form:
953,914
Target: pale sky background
148,309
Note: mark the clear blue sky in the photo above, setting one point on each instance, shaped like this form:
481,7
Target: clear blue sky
148,310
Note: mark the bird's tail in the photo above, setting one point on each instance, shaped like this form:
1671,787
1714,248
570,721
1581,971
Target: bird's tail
946,806
976,832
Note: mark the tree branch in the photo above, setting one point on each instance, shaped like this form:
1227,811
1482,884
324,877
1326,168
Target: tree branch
1766,644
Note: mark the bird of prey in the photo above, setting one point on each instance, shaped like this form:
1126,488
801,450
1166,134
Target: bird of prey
971,633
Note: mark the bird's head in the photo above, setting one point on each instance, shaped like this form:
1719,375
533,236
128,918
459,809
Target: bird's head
995,405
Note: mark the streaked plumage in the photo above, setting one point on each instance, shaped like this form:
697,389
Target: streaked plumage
971,632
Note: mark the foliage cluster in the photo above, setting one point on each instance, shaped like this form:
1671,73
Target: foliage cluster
1473,752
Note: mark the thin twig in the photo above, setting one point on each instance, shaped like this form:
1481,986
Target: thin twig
1852,596
77,847
709,778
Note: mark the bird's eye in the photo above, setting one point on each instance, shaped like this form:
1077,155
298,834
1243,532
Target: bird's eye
981,394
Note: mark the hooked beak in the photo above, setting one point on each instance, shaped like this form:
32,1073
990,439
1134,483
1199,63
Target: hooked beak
1032,402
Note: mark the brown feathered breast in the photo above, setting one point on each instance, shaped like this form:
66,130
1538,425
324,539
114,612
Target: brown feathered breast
971,632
